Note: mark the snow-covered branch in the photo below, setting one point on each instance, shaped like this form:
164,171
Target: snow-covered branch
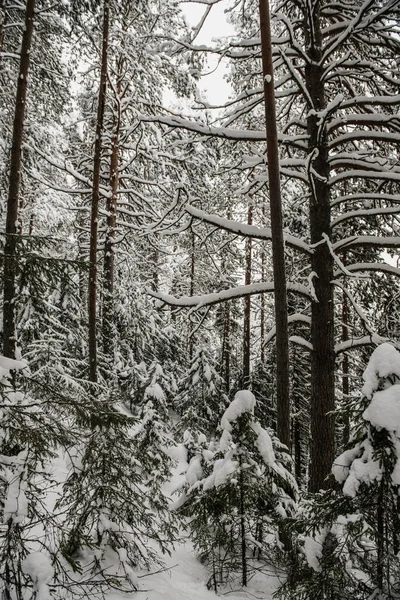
354,344
251,231
365,241
377,267
236,135
356,214
197,302
296,318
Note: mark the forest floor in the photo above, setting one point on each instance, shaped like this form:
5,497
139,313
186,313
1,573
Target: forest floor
185,578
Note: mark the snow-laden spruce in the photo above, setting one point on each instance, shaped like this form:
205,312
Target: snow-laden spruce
350,535
237,489
201,397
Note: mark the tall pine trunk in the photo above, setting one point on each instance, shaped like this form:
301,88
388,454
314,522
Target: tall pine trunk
322,313
278,249
92,291
10,249
226,347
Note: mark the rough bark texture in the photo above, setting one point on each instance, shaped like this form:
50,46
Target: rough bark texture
14,187
322,313
92,293
247,308
262,306
278,249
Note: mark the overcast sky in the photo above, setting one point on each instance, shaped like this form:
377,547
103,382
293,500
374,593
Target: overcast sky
213,85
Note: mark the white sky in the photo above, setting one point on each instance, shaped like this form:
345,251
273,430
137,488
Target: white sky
213,86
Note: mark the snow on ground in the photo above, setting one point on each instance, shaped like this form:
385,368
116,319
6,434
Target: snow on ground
185,579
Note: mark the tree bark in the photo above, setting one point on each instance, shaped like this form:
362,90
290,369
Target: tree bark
226,347
262,307
10,248
278,248
108,316
92,292
322,313
2,23
345,367
247,308
191,293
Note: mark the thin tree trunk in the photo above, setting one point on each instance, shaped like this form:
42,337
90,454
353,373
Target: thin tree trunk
345,367
10,248
2,23
92,292
262,307
322,313
247,307
108,316
226,347
278,248
191,293
243,548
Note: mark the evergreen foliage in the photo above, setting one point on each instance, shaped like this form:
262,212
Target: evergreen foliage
237,491
201,399
348,537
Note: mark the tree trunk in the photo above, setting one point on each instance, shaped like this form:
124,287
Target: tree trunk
322,313
2,24
191,293
14,187
108,316
345,362
262,307
247,308
92,292
278,248
226,347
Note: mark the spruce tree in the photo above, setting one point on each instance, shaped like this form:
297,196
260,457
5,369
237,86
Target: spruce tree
201,398
349,537
237,491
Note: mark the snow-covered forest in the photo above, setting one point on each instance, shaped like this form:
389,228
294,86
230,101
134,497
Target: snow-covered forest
200,362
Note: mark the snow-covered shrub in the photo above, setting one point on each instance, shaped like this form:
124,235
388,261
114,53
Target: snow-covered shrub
111,524
29,435
236,492
349,537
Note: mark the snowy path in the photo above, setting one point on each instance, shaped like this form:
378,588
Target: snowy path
186,580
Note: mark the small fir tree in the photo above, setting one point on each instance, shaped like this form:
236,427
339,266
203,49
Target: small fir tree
111,517
29,437
201,399
236,493
349,537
